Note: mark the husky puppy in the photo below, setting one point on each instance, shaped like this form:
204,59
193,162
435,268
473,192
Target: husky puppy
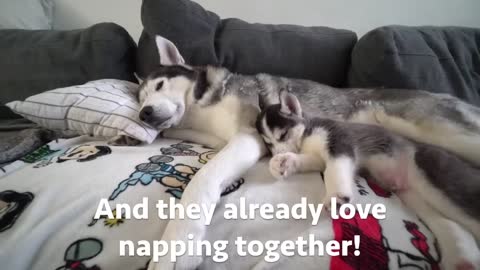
212,106
300,143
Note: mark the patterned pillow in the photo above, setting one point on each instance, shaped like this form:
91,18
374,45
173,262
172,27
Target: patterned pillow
102,108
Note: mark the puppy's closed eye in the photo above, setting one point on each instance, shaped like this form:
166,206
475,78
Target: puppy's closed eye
159,86
283,136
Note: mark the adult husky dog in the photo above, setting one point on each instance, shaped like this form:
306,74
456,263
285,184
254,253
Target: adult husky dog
215,107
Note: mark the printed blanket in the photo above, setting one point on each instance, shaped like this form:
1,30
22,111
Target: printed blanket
48,200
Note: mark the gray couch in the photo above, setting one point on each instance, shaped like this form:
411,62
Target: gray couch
442,60
33,61
437,59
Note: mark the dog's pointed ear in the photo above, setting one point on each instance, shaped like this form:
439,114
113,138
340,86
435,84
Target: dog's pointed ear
263,102
168,52
290,104
139,79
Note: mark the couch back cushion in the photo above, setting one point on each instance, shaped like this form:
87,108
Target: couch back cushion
34,61
437,59
26,14
317,53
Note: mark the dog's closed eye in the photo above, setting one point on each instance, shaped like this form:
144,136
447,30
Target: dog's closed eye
284,135
159,86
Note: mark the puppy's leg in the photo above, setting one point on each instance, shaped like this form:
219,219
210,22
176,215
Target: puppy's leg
241,153
286,164
458,247
339,180
196,137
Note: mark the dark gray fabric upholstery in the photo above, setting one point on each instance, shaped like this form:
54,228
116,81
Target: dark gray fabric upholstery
33,61
317,53
437,59
26,14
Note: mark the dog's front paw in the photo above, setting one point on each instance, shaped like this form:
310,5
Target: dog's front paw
123,140
283,165
340,199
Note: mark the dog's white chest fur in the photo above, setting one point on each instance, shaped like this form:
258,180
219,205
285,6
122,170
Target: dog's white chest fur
223,119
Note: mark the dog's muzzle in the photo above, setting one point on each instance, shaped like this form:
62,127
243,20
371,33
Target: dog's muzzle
148,116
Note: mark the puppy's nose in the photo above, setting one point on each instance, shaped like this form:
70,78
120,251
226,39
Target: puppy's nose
146,113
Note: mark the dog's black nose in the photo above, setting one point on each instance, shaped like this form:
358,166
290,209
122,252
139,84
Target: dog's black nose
146,113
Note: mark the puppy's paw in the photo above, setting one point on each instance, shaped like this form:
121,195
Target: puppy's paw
123,140
283,165
340,199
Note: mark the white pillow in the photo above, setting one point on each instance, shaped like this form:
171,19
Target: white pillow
103,108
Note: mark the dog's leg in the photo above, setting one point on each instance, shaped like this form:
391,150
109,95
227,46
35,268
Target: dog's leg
457,246
196,137
339,177
241,153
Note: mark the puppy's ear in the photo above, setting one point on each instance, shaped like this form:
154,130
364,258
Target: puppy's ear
263,102
168,52
290,104
139,79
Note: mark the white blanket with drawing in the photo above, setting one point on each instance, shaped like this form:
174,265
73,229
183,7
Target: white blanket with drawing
49,198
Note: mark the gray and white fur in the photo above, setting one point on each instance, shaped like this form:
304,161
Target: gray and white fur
212,106
302,143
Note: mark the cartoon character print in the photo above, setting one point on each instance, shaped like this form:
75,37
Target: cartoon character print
177,185
12,205
373,254
206,156
174,176
109,222
85,152
44,162
38,154
375,250
80,251
420,242
81,153
182,149
179,149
